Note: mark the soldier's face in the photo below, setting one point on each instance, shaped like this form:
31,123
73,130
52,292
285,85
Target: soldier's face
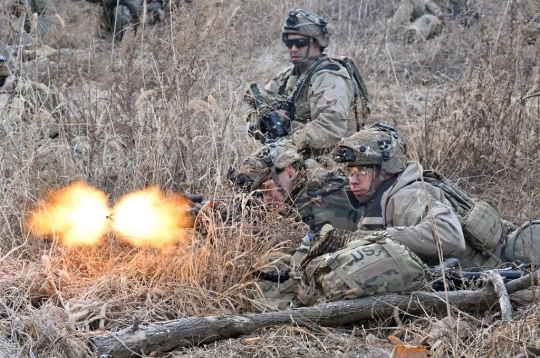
361,180
271,194
299,48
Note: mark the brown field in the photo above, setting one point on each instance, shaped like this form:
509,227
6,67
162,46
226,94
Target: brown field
164,107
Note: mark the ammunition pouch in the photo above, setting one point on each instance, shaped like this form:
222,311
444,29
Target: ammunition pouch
483,227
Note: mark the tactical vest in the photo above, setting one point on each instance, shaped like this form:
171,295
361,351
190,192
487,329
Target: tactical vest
295,86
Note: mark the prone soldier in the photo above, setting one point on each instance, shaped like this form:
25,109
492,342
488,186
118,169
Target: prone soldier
403,224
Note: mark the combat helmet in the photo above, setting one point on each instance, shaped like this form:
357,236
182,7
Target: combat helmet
377,145
301,22
269,161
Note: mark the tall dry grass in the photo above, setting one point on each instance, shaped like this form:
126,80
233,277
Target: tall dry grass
164,107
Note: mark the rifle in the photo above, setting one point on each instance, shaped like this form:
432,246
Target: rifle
271,125
457,279
229,208
218,205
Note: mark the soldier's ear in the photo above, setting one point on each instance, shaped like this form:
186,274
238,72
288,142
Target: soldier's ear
291,172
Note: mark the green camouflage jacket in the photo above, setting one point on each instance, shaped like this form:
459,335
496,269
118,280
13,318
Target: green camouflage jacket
325,202
321,116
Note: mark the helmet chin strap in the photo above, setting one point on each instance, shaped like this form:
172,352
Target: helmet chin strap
372,187
308,58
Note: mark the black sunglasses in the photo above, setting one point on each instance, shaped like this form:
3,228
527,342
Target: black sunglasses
296,42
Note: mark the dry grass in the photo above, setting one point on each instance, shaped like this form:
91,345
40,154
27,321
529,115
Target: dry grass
164,107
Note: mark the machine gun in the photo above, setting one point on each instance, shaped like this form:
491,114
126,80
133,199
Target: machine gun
229,208
271,126
458,280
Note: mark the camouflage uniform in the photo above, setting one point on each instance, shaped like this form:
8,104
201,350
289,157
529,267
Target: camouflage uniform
319,194
423,18
26,100
397,233
321,110
410,210
36,7
119,14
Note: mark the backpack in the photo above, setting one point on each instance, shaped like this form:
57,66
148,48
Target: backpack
374,265
483,227
361,94
523,245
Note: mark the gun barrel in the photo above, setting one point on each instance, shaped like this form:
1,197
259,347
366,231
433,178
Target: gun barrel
257,94
196,199
506,274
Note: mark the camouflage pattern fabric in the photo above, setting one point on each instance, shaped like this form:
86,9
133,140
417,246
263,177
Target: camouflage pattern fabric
119,14
483,226
321,116
326,202
423,18
281,155
22,100
36,7
319,195
375,264
277,293
473,259
376,145
365,265
4,69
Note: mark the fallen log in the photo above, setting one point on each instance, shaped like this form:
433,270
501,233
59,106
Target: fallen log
167,336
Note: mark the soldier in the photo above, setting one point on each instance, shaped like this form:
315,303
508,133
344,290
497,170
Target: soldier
423,18
306,189
36,7
291,185
26,100
119,14
389,195
318,89
404,224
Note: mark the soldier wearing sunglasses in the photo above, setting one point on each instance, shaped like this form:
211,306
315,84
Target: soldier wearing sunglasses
318,91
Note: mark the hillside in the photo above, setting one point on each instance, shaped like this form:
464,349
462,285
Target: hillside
164,107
